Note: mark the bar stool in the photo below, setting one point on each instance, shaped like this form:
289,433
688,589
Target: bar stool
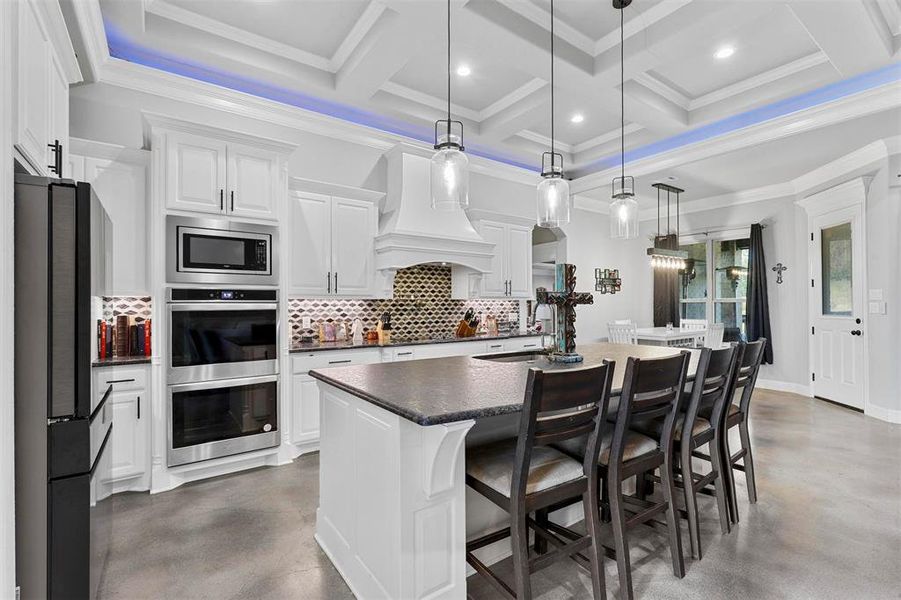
525,474
652,389
710,393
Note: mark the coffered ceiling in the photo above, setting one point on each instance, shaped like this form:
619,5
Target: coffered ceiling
382,63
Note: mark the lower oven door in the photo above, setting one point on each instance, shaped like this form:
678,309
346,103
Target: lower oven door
220,418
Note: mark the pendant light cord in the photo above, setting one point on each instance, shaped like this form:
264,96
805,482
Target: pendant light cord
448,69
552,85
622,97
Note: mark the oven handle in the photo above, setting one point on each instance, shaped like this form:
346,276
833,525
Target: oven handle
225,305
221,383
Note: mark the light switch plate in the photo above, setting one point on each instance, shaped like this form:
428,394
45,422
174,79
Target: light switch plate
877,308
875,294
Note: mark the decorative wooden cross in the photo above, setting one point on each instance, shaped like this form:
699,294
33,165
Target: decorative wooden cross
565,298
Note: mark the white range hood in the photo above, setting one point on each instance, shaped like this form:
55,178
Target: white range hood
412,233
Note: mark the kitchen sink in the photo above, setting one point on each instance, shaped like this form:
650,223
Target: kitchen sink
526,357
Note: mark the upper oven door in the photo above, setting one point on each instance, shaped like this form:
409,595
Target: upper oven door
218,341
217,251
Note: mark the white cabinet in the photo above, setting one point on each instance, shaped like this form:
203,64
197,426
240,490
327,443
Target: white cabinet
129,404
305,409
208,174
511,265
332,245
44,71
121,186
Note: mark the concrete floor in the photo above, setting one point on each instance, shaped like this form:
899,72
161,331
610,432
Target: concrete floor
827,525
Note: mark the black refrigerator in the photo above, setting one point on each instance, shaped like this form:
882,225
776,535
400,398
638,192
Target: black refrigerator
63,433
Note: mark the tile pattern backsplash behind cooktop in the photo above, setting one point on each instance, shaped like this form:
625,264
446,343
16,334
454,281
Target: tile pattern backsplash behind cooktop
421,307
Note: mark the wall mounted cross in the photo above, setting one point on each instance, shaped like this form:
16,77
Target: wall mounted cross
779,268
565,299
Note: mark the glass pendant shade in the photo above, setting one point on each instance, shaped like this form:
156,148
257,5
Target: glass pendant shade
553,201
449,175
624,218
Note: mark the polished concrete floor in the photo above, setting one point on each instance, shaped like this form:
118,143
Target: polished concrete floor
827,525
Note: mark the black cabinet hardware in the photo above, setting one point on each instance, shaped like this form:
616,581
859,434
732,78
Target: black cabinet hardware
856,332
232,196
404,353
57,166
139,407
221,199
336,282
328,277
339,362
110,381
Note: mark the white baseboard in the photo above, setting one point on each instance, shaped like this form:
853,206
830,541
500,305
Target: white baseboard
883,414
785,386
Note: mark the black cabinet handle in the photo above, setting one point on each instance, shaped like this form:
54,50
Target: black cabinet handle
139,407
109,381
529,345
57,166
404,353
328,277
221,199
339,362
336,282
232,195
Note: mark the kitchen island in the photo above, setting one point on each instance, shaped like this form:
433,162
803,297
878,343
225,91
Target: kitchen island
393,511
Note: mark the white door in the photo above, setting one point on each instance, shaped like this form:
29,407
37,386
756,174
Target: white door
34,66
195,173
121,189
311,244
519,261
353,229
837,306
304,409
252,182
494,284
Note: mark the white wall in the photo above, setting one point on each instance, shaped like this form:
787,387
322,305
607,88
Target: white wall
7,433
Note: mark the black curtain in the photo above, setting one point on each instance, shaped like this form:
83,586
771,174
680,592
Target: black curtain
666,286
758,300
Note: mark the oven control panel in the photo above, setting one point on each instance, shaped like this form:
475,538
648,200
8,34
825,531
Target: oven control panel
221,295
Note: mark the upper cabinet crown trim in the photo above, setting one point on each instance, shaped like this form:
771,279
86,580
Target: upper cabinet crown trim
154,121
58,34
478,214
300,184
114,152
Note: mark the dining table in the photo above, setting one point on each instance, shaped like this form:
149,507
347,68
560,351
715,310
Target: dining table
676,336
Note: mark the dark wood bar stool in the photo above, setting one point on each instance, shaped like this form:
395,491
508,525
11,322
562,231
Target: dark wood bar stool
651,389
710,394
525,475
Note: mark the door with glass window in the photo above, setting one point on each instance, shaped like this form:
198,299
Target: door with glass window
836,264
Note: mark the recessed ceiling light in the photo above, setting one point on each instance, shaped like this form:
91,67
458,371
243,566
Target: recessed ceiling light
464,70
724,52
577,118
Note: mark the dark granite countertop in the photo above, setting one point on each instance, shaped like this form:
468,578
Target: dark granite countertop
444,390
319,347
121,360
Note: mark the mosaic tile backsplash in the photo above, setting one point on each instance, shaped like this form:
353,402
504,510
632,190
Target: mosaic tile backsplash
421,308
138,307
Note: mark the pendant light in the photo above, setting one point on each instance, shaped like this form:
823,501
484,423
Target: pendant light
450,166
553,189
624,208
666,254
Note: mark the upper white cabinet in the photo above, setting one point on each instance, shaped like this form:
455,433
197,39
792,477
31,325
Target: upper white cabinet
332,245
209,170
45,66
119,178
511,265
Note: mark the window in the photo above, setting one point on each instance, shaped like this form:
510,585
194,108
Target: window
716,284
836,261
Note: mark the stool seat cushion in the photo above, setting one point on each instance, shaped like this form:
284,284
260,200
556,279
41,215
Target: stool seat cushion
707,411
637,444
655,426
493,465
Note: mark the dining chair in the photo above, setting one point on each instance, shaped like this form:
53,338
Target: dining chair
623,321
652,389
525,474
693,324
711,390
622,333
714,337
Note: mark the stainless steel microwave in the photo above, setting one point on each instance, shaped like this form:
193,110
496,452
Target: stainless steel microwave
218,251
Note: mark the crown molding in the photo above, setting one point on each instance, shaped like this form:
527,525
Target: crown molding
302,184
154,120
52,17
856,163
761,194
95,149
89,22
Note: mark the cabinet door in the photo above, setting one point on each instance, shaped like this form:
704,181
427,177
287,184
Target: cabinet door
304,409
34,66
310,235
195,173
121,189
130,442
519,261
59,116
253,181
494,284
354,225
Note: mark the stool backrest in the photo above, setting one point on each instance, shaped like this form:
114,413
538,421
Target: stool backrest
713,339
622,333
712,387
693,324
561,405
652,388
746,378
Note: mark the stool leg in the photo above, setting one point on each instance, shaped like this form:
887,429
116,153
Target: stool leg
541,517
720,485
691,501
672,518
618,518
730,477
593,525
519,539
748,460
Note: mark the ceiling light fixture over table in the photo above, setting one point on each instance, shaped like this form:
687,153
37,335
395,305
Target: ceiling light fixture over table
624,208
666,254
449,173
553,189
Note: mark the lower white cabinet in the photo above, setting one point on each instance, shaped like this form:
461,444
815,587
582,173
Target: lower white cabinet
304,409
129,405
